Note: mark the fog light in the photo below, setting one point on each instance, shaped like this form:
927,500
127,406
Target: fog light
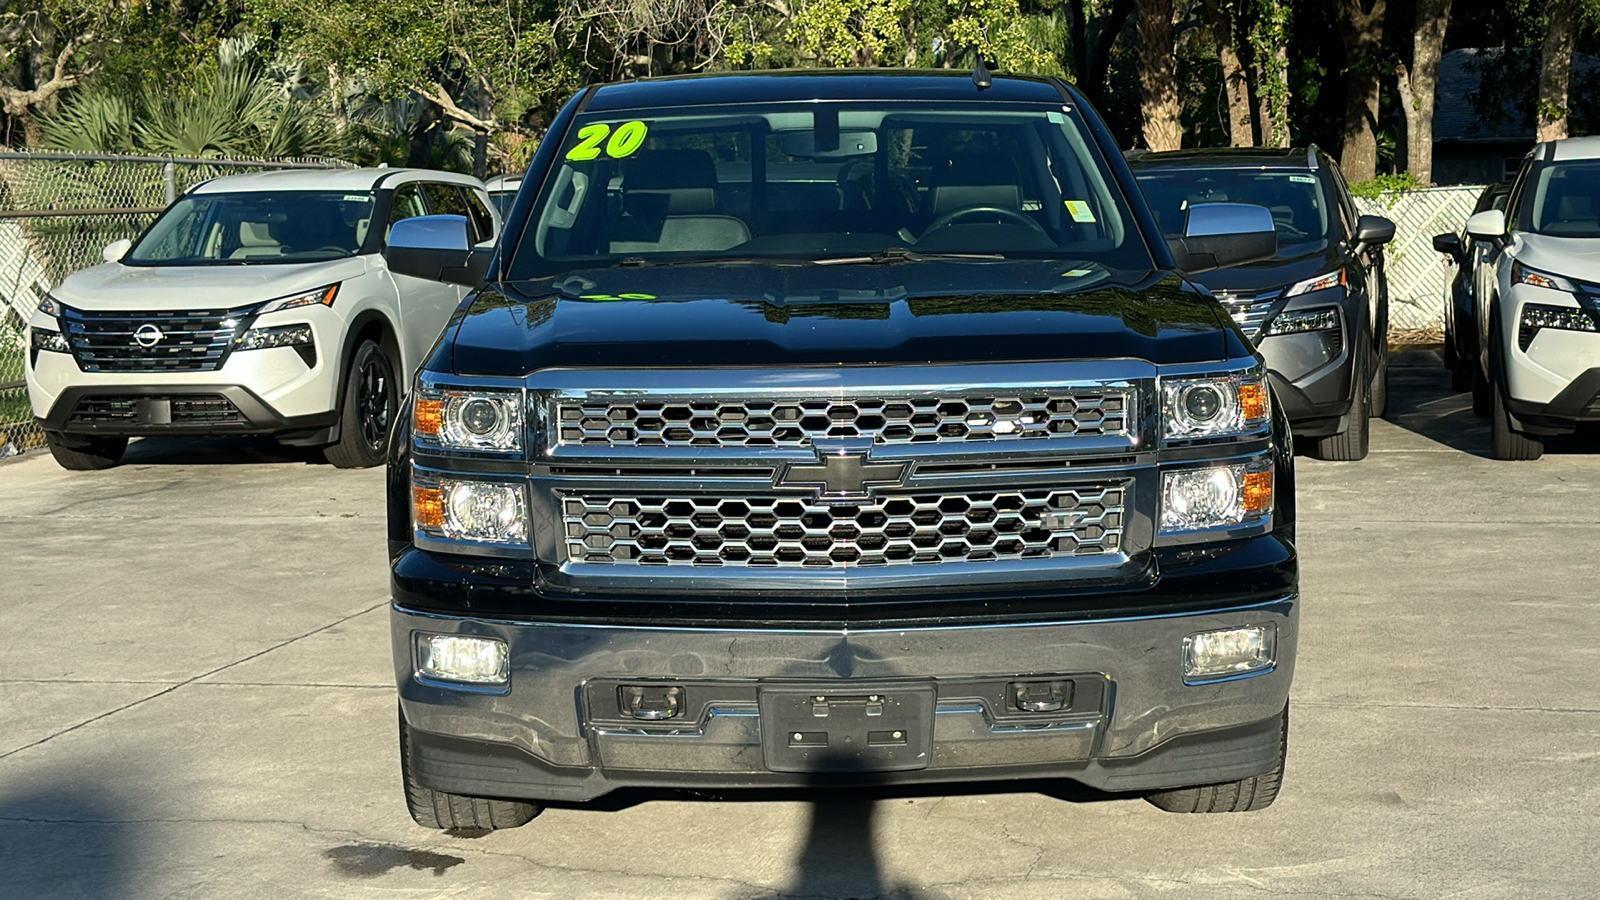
1211,655
469,660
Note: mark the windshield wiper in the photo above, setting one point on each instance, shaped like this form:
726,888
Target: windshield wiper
901,254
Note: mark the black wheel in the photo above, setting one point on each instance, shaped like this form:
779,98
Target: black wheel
1461,376
1506,443
1380,386
437,809
1351,444
371,400
1482,404
1244,795
83,454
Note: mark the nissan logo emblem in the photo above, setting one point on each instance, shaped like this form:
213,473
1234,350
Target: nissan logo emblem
148,335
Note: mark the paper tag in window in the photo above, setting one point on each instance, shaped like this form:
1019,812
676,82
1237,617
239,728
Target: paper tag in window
356,198
1079,211
1303,179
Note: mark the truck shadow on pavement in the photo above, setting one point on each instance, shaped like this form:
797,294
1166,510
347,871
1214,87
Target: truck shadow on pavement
840,856
65,838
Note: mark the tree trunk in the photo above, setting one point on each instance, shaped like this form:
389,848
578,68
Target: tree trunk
1273,79
1093,83
1158,77
1235,84
1363,40
1419,86
1555,69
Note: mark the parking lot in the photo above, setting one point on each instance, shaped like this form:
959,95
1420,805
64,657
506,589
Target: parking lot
196,700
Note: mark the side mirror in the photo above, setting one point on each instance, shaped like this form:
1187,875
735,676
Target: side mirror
116,250
1372,231
1489,225
436,248
1220,235
1449,245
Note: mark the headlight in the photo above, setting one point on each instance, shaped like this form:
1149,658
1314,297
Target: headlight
469,420
1537,315
1299,321
50,306
1319,283
1220,406
458,509
1521,274
322,296
1216,496
275,336
54,341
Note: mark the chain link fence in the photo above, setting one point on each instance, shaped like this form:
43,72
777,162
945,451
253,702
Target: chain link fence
58,211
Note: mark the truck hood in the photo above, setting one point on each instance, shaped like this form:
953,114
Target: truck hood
775,316
114,286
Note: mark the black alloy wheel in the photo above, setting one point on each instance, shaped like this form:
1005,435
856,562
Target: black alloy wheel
368,410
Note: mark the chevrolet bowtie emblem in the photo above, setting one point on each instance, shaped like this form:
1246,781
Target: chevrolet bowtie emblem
842,474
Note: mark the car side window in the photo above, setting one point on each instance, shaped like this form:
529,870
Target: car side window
444,199
1514,200
406,204
1341,197
480,217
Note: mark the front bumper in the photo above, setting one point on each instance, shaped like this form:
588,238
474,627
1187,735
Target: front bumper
559,732
1311,379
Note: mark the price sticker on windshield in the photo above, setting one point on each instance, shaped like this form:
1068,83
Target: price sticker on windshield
622,143
1079,211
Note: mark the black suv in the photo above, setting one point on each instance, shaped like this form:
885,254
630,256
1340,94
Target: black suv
1319,310
1474,262
808,428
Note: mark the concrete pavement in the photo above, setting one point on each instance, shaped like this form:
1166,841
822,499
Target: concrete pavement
196,702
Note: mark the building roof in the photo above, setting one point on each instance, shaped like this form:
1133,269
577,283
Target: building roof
1457,119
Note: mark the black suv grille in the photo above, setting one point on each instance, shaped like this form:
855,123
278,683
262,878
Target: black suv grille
181,409
161,341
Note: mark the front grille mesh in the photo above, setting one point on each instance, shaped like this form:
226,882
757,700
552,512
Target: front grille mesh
1250,311
183,409
189,341
953,418
789,532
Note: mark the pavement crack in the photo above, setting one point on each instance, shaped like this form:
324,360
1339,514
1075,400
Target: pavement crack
188,681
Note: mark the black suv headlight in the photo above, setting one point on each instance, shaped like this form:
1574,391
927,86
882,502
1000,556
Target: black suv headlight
1198,498
469,419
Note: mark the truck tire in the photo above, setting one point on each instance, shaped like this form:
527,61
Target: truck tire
366,411
1506,443
438,809
1244,795
1351,444
86,454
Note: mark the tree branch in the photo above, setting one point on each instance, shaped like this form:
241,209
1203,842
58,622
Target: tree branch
436,94
17,102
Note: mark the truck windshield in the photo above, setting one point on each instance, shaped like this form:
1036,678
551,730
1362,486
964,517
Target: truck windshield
1296,199
826,182
256,227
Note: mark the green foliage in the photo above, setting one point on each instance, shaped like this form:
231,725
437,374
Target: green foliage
1392,185
240,111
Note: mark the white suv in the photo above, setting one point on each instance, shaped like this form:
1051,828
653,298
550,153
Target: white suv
256,304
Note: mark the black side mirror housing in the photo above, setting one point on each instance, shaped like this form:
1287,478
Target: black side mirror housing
1373,231
1220,235
1450,245
437,248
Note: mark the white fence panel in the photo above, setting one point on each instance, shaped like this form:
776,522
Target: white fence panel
1419,276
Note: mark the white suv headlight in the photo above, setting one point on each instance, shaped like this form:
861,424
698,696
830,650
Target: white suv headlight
1521,274
1230,405
322,296
450,419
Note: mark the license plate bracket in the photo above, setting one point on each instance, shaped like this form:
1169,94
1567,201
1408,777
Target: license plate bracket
886,728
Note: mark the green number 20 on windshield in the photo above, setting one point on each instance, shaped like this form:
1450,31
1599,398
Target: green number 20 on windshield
625,141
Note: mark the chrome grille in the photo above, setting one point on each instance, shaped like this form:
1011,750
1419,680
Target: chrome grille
1249,310
891,530
190,340
920,419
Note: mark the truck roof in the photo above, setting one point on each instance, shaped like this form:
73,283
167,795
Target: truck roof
942,85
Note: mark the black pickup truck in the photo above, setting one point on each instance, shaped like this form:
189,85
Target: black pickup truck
815,429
